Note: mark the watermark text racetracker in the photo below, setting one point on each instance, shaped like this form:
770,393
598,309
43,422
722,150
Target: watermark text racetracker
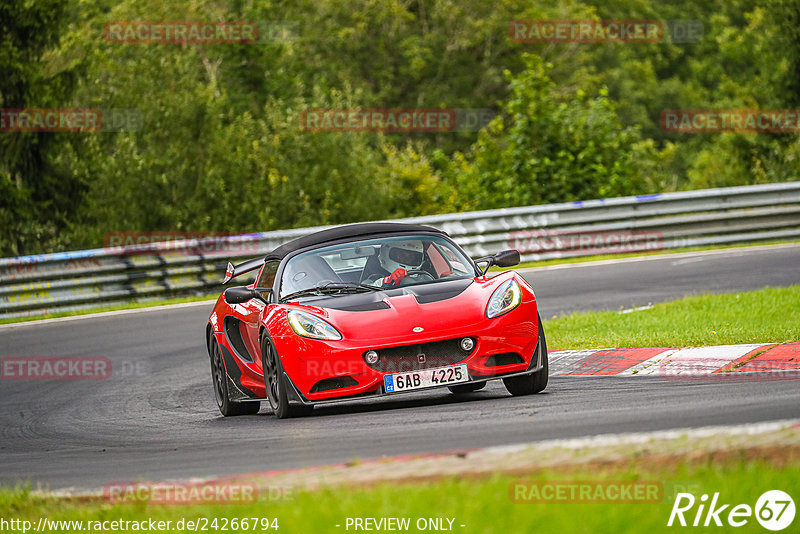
70,120
395,120
69,368
605,31
180,242
583,491
700,369
730,120
193,493
598,491
613,242
199,32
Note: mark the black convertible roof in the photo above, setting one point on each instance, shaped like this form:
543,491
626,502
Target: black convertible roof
326,236
343,232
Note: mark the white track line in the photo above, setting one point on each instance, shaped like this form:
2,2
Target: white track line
749,429
664,256
646,367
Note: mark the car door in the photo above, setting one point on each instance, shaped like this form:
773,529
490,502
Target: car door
251,319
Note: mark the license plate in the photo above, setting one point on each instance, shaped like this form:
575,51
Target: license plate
442,376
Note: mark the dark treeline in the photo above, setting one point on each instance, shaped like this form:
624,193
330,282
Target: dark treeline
219,146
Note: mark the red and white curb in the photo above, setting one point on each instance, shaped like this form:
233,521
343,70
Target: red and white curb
771,359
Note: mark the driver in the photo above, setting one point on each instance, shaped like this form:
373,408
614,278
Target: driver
396,259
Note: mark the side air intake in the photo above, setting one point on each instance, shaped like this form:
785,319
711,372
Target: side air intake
337,382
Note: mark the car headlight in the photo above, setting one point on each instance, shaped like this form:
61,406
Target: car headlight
504,299
306,325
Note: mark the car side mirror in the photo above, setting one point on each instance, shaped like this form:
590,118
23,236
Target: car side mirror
506,258
241,294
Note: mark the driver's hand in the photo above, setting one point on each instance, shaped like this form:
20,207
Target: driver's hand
395,278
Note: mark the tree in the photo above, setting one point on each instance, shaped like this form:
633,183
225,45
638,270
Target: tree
37,197
548,148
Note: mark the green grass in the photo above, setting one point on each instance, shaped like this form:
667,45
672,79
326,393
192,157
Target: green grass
767,315
482,505
100,309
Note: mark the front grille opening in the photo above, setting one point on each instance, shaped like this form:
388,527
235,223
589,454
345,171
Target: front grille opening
420,356
506,358
337,382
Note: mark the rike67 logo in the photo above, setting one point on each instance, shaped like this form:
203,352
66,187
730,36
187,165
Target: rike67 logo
774,510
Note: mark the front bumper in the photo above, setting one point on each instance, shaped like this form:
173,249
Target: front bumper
315,366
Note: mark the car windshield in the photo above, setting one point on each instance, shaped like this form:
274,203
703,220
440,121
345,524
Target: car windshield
374,264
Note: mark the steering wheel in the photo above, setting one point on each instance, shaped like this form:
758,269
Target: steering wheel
419,272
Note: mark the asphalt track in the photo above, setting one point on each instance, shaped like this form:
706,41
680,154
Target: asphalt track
156,417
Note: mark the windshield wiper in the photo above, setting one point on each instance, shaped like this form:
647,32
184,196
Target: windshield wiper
329,287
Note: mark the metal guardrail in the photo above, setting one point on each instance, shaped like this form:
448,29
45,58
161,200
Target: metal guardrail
46,283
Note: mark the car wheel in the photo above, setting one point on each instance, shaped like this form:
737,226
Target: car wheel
219,376
466,388
532,382
275,383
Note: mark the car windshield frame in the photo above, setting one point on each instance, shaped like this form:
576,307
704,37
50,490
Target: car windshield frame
287,285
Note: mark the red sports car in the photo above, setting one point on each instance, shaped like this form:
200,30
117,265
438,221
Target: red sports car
368,310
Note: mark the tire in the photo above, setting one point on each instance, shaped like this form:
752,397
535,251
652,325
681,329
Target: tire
466,388
532,382
219,377
275,383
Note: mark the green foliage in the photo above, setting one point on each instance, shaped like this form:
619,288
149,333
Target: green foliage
410,182
548,148
220,147
37,195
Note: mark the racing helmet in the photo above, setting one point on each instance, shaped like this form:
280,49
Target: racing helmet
406,255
